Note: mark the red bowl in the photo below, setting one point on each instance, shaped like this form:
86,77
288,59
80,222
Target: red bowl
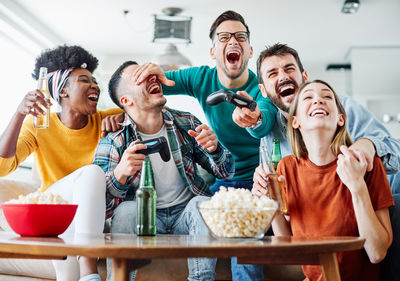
39,219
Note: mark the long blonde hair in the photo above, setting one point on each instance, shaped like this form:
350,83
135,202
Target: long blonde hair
342,136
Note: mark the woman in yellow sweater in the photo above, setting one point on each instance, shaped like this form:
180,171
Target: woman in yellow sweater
63,152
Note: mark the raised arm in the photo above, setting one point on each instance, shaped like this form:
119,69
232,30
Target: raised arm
371,136
264,122
29,105
373,225
209,153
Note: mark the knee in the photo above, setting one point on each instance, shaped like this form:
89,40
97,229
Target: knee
94,172
195,221
192,205
124,218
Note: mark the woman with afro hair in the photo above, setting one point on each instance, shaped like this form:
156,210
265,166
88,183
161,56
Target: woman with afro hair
63,152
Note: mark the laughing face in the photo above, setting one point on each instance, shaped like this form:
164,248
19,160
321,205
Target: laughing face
317,108
147,95
281,78
81,92
232,56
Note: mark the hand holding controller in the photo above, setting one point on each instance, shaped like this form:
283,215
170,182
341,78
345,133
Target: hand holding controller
229,96
156,145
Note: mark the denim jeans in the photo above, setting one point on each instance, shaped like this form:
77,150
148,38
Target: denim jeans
241,272
179,219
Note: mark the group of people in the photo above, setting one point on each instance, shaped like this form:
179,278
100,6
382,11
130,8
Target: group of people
92,158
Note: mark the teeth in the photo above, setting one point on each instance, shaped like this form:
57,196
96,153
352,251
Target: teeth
286,87
234,52
319,111
153,88
93,97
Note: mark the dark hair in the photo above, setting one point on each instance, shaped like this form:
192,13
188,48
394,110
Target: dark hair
114,81
63,57
277,49
227,15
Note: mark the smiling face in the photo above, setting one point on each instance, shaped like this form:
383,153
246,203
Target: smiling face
317,109
81,92
147,95
281,77
232,56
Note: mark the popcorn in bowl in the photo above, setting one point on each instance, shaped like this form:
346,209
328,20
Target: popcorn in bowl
38,197
236,213
39,214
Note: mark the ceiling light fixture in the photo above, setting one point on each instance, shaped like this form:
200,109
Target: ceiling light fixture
170,28
338,67
350,6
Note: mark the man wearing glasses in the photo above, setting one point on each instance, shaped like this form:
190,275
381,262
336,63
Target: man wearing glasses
238,129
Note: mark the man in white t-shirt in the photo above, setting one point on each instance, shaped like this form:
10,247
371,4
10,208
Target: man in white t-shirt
177,182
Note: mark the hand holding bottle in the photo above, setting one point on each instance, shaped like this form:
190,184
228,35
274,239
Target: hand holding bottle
33,103
274,185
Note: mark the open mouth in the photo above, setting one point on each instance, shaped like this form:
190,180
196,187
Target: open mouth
318,113
286,88
93,97
233,57
154,88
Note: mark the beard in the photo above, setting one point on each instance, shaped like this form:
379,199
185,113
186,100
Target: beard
275,97
277,102
242,69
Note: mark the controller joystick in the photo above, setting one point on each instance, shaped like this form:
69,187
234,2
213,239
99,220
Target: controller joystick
229,96
156,145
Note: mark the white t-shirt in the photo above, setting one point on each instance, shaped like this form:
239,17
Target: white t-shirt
170,187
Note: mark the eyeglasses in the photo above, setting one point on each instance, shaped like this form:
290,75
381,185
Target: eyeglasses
240,36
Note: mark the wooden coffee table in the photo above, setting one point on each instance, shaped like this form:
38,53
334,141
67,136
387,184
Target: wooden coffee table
124,247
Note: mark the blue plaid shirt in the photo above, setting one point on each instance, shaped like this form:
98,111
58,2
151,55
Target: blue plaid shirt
185,152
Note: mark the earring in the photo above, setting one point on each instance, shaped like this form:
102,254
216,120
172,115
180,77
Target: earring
63,95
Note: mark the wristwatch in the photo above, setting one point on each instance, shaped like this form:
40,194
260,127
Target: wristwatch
258,122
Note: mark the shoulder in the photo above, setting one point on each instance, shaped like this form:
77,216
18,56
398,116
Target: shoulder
180,118
178,114
287,163
290,160
116,139
195,70
112,111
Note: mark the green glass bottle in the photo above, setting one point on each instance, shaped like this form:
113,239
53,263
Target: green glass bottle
146,202
276,155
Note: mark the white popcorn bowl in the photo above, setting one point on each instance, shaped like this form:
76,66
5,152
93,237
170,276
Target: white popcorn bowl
237,222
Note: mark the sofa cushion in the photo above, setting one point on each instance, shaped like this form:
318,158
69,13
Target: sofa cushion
10,189
28,267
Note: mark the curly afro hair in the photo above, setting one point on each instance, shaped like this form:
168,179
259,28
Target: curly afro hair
64,57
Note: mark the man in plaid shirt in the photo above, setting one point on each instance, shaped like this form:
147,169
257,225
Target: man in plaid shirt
178,182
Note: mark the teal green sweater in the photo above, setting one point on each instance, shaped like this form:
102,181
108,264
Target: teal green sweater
243,144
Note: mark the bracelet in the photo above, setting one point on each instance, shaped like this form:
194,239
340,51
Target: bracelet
257,123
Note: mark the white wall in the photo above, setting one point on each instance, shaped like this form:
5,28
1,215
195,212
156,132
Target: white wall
375,81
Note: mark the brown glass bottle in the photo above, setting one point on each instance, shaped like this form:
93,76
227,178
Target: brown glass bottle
43,120
275,188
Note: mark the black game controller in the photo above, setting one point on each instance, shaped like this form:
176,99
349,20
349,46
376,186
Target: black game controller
156,145
231,97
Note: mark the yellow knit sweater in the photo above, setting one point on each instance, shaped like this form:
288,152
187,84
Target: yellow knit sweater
58,150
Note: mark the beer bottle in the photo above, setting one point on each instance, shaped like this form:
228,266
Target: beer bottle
43,120
276,152
146,202
275,189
